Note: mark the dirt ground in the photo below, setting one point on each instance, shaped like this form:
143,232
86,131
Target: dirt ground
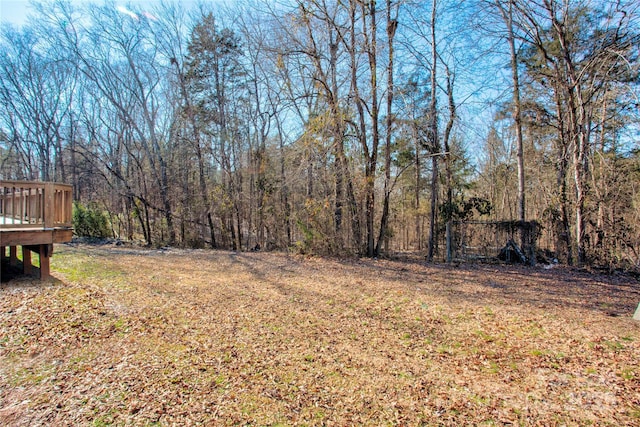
127,336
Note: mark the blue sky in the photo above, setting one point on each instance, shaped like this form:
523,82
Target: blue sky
13,11
16,11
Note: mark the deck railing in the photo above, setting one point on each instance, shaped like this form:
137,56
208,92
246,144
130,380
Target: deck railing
30,204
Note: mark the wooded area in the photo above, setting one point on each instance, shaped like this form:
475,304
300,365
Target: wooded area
334,127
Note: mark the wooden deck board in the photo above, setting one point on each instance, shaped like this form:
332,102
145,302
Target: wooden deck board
35,237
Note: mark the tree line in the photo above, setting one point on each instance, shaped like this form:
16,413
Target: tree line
335,127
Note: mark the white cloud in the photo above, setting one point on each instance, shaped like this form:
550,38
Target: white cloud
126,11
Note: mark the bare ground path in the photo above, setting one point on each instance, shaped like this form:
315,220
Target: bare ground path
138,337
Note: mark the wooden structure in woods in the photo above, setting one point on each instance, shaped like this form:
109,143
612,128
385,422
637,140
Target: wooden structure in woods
490,240
34,216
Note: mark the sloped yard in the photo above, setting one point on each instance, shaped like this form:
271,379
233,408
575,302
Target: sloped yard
173,337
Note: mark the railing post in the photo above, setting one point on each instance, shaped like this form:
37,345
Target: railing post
70,206
49,204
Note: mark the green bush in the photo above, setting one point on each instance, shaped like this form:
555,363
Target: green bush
90,221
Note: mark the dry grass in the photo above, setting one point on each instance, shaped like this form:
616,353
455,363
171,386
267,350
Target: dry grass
133,337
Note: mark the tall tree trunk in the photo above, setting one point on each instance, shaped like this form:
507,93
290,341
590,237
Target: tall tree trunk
563,232
384,221
517,118
416,194
435,145
517,106
370,172
449,158
578,130
198,146
284,188
340,163
579,159
360,128
74,166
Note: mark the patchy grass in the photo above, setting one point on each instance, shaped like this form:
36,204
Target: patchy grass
135,337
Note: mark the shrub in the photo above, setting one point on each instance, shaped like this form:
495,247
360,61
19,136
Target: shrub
90,221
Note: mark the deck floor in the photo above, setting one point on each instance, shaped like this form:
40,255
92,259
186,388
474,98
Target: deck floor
4,220
16,221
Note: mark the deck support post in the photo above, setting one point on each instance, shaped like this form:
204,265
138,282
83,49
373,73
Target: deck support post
13,256
45,252
26,261
45,256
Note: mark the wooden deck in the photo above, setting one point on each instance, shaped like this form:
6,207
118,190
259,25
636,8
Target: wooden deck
34,216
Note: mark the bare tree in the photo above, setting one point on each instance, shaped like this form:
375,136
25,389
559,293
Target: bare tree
36,87
577,57
392,26
506,11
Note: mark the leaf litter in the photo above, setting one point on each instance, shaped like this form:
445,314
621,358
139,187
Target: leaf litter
195,337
